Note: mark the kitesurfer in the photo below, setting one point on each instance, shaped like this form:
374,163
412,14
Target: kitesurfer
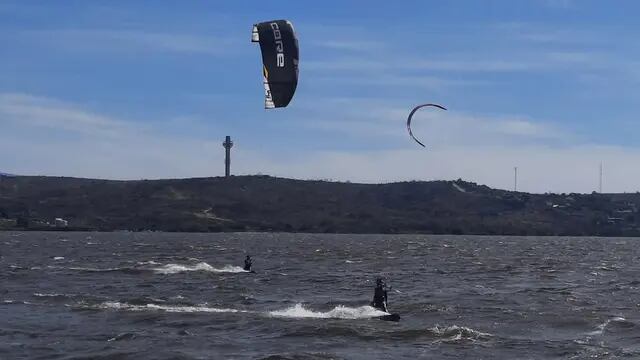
380,296
247,263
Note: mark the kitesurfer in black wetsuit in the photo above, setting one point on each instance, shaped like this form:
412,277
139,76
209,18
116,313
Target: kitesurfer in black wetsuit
247,263
380,296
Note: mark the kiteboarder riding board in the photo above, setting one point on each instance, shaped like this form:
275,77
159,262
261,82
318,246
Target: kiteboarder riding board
380,301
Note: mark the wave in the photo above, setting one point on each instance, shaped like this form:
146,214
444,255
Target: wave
149,262
64,298
128,270
123,336
455,333
201,266
614,323
53,295
143,300
339,312
16,302
301,356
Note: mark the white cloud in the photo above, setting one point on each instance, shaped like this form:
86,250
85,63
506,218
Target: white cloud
481,149
544,34
350,64
523,63
101,40
509,54
478,65
351,45
385,79
47,136
33,111
376,118
465,129
540,168
524,128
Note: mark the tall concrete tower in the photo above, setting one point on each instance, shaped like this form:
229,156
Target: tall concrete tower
600,182
228,144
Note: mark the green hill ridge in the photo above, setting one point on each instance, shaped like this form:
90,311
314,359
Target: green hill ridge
264,203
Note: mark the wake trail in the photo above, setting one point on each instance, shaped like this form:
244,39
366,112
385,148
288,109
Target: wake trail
298,311
201,266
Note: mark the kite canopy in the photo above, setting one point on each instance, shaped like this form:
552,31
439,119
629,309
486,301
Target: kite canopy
411,116
280,55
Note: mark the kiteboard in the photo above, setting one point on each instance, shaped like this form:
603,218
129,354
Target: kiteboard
390,317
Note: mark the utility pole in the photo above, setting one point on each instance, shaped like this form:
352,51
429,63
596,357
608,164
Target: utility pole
515,178
227,144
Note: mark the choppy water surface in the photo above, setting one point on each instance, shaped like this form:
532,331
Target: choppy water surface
183,296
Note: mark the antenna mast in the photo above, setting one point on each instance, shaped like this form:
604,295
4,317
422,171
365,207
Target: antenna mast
515,178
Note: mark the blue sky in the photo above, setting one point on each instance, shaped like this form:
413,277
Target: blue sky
149,89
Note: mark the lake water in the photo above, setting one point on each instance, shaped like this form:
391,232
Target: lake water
184,296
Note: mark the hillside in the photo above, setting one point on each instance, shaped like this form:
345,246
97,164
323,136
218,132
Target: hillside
262,203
